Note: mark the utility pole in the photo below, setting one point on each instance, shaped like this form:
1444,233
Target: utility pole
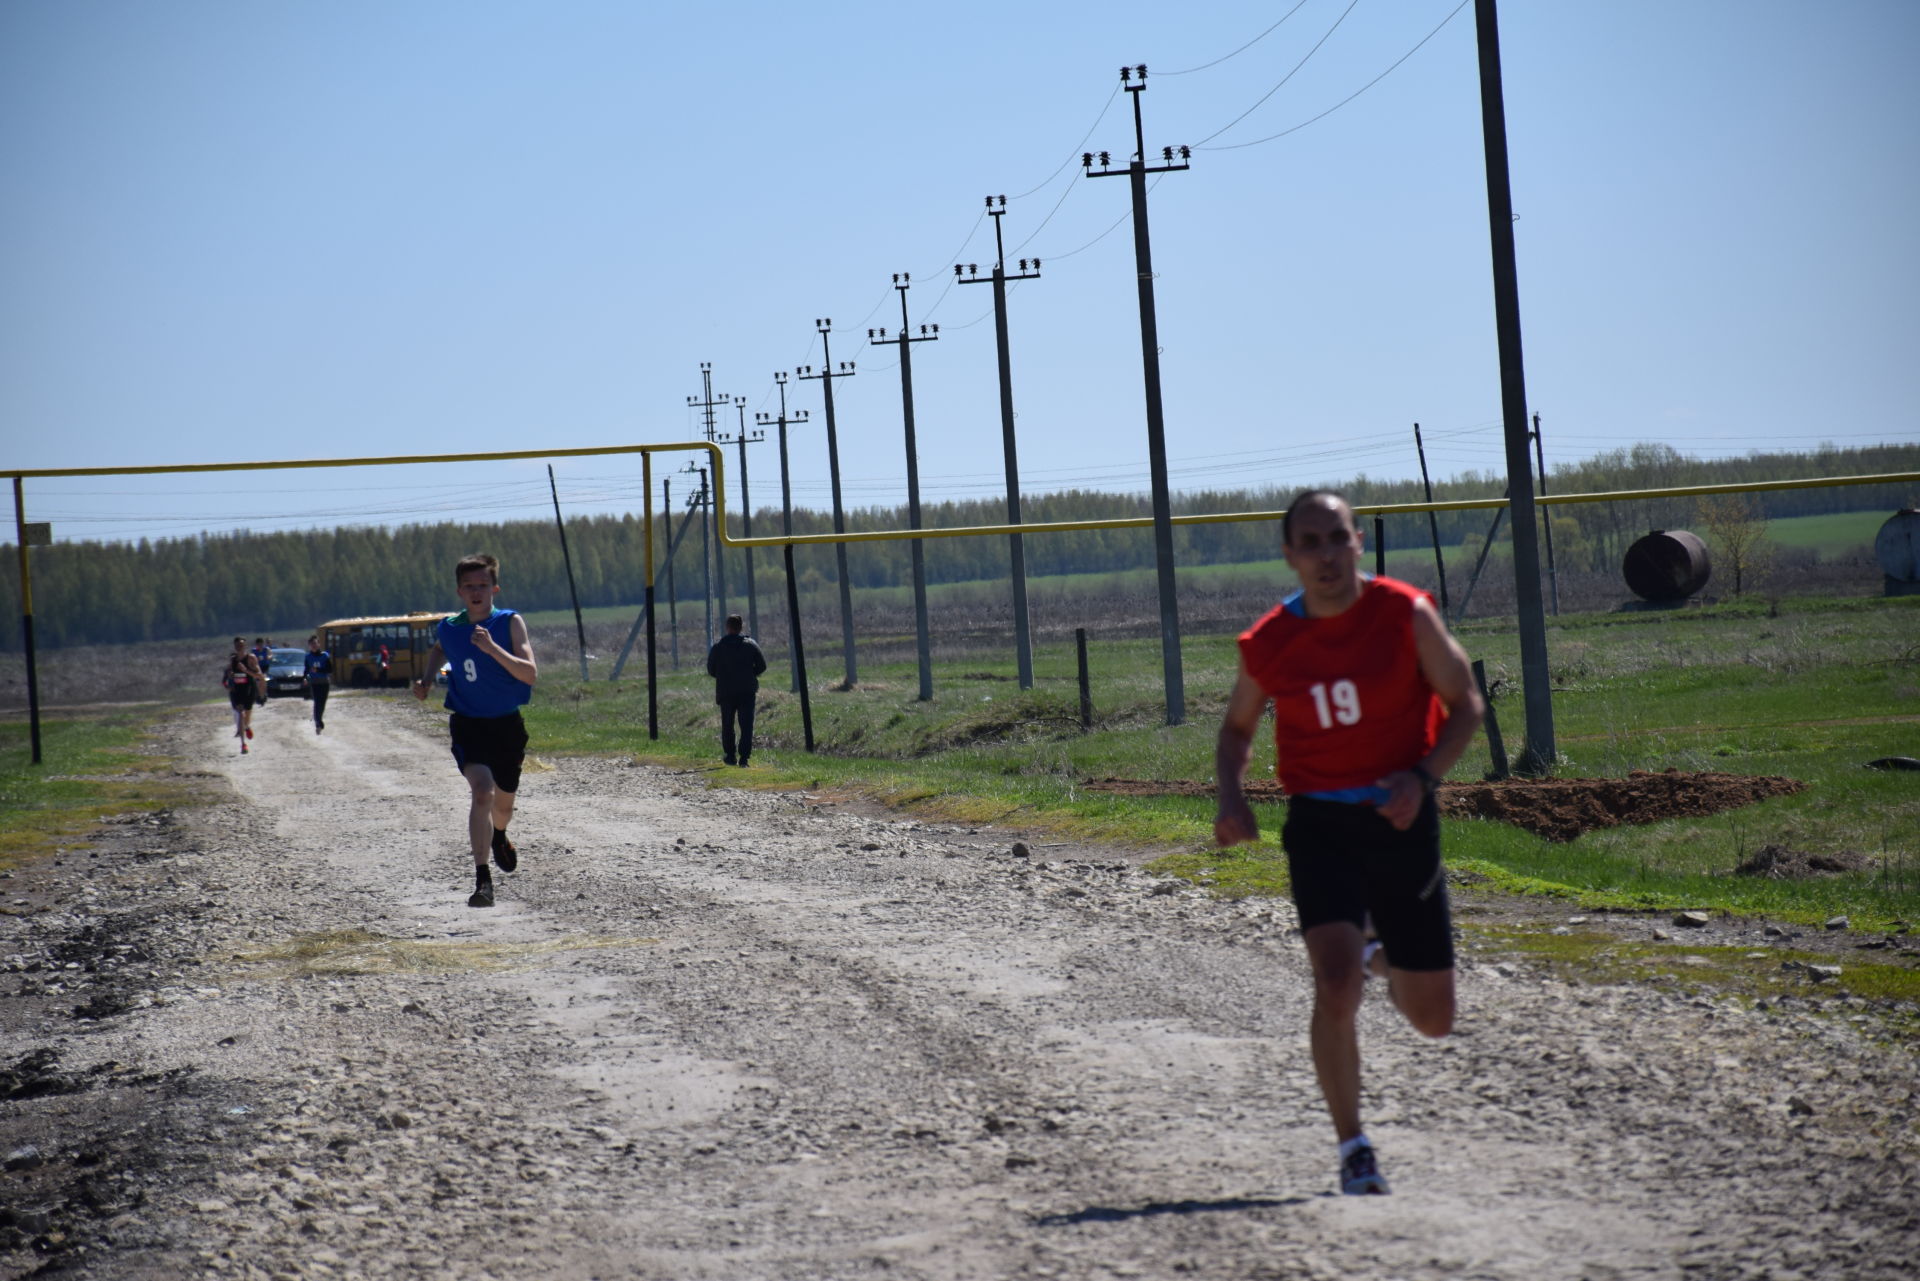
922,643
828,372
797,663
1433,521
743,439
707,404
1539,756
673,596
1134,81
704,504
1546,522
566,556
1022,638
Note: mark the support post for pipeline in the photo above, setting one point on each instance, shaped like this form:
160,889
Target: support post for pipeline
1496,746
1086,690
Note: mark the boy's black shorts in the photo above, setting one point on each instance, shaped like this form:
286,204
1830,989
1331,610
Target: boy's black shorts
497,742
1346,861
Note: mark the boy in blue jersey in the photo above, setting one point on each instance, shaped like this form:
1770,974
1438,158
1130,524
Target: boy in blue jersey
491,680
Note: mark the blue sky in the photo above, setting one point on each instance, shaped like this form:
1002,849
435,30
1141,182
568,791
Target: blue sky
294,230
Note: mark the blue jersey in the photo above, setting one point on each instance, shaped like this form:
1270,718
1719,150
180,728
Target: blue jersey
319,665
478,685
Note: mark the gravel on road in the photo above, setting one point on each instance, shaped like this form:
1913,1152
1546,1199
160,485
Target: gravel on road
717,1032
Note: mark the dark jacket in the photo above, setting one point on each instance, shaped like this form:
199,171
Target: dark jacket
735,663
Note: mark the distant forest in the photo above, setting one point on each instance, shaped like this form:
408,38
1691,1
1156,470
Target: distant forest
282,584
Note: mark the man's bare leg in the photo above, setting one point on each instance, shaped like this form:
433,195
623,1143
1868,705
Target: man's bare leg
1334,951
1424,998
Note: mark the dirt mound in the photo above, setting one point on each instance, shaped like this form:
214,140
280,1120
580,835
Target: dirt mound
1780,863
1558,809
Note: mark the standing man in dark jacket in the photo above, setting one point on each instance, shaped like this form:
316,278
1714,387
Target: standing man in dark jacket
735,663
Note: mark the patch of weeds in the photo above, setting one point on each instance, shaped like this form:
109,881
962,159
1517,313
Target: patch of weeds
1588,956
1245,871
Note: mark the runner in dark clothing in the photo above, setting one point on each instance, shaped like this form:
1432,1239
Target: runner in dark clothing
244,680
735,663
319,681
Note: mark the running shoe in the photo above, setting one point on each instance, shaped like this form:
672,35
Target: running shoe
1360,1173
243,747
482,895
249,731
505,857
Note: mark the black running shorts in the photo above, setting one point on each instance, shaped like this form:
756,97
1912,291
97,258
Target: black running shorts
497,742
241,696
1346,861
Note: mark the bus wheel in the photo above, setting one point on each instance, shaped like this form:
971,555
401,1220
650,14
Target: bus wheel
362,678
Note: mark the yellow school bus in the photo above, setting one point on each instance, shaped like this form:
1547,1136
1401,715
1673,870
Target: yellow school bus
355,645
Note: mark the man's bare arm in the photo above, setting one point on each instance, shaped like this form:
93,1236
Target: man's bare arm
1233,821
1445,666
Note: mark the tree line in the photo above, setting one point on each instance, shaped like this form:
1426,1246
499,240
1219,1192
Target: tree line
282,584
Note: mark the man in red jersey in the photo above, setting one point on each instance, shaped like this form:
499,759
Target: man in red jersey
1373,702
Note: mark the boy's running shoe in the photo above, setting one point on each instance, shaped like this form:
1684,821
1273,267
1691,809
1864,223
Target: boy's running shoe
482,895
1360,1174
249,731
505,857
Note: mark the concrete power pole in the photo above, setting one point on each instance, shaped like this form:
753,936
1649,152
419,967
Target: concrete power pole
718,559
743,438
786,512
1540,754
923,645
827,374
1022,637
1134,81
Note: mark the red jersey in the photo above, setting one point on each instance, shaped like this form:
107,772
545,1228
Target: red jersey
1350,703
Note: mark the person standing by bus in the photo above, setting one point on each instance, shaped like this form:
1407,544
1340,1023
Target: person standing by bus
243,678
491,679
319,676
1373,702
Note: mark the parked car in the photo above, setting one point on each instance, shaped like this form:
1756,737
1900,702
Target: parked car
286,672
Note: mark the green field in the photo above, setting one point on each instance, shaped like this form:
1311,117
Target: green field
1834,535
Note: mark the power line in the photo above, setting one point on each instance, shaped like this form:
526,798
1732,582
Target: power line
1283,79
1242,49
1233,146
1078,147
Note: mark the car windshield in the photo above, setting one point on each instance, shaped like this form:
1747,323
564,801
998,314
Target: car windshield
289,658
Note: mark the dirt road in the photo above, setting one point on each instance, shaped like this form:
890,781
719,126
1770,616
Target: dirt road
718,1033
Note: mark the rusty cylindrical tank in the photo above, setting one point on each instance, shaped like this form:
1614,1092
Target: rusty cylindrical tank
1897,546
1668,564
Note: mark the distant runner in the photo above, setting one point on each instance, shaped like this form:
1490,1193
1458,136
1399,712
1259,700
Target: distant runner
491,680
319,675
244,679
1373,702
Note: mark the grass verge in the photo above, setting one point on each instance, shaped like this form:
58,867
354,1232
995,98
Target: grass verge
92,767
